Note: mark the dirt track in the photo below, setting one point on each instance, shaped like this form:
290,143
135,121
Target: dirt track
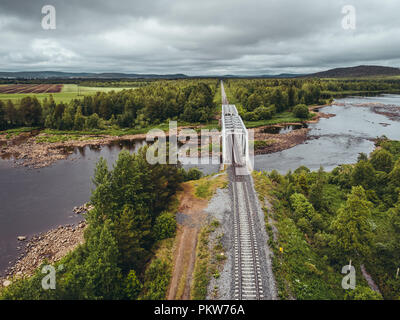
190,218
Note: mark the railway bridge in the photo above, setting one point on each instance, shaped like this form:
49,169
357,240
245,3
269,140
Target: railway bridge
235,138
251,268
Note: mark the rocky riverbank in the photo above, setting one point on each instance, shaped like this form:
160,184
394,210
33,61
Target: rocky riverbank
50,246
273,142
34,150
278,142
34,153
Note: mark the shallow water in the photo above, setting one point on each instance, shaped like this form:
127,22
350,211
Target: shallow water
284,129
337,140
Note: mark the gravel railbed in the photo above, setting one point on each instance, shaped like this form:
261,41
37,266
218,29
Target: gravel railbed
219,208
265,254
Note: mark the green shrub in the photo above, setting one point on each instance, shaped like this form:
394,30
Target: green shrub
165,226
301,111
362,293
193,174
156,280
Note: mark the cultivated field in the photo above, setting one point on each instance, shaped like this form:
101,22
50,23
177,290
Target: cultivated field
30,88
60,92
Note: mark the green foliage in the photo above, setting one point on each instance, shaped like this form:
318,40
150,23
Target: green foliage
151,104
192,174
129,201
301,207
93,121
133,286
362,293
301,111
382,160
156,280
320,228
363,175
352,226
165,226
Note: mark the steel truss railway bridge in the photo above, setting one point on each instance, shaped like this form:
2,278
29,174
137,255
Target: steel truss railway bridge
247,282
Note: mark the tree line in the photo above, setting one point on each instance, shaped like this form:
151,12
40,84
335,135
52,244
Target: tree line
185,100
260,99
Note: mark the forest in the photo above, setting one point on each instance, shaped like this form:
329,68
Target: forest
185,100
261,99
327,219
134,203
188,100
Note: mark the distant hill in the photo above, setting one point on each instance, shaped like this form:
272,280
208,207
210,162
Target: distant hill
71,75
114,75
359,71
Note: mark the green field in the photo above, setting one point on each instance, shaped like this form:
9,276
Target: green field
68,92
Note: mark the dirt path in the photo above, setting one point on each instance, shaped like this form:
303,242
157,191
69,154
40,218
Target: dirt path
370,281
190,219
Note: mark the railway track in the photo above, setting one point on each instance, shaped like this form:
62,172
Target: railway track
247,269
251,280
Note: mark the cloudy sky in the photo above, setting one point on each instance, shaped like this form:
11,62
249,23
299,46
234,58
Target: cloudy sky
197,37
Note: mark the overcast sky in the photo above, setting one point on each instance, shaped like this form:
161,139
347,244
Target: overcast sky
197,37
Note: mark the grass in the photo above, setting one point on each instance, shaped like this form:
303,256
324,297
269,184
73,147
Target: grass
283,117
159,271
259,144
206,187
218,99
110,131
10,133
210,256
68,93
62,138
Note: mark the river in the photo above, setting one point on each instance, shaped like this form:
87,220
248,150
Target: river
36,200
339,140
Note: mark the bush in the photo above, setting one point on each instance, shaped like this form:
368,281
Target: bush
382,160
263,113
193,174
302,207
301,111
251,116
156,280
165,226
133,286
363,293
92,122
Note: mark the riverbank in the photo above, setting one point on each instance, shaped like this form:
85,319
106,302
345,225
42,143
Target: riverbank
275,142
50,246
36,152
40,149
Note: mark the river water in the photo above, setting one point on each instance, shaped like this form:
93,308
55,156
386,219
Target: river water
36,200
339,140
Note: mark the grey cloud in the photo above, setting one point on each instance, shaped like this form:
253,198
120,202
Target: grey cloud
197,37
